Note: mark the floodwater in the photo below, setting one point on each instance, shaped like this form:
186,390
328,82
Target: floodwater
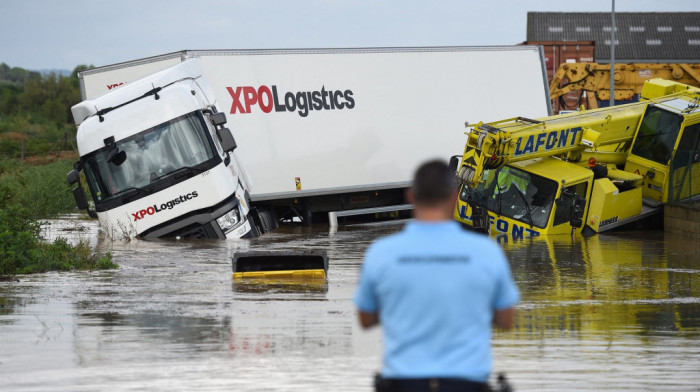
614,312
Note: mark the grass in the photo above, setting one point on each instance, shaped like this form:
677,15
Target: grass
44,190
28,194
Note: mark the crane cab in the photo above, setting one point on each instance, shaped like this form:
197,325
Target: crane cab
549,196
666,150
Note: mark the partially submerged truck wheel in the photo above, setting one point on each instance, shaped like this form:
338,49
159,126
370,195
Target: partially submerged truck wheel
158,161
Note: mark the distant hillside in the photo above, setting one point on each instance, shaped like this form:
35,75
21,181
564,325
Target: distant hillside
61,72
14,75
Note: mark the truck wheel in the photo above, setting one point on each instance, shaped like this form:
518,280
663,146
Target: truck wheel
265,220
274,222
269,220
307,218
254,231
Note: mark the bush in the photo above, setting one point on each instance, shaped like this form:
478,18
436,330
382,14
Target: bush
23,251
39,133
44,190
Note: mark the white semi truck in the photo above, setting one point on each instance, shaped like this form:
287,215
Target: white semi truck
323,130
158,161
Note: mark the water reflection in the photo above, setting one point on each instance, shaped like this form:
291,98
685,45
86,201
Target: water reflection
634,282
172,318
276,286
9,304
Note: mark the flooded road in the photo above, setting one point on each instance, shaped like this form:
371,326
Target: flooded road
614,312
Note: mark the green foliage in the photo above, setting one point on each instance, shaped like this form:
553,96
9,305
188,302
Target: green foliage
35,111
23,251
39,134
35,115
9,103
14,75
42,189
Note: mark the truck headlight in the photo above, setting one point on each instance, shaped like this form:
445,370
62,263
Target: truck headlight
229,220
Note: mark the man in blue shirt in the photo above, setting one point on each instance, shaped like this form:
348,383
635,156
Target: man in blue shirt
436,289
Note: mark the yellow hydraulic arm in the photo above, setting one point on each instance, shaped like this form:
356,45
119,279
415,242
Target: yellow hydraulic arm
629,79
492,145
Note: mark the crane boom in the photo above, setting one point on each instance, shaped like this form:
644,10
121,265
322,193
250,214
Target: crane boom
492,145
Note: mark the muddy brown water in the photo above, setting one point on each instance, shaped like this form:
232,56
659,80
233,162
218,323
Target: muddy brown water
614,312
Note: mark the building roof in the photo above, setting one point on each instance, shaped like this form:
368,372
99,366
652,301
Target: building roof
639,36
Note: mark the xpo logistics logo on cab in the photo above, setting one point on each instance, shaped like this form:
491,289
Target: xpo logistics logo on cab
267,99
165,206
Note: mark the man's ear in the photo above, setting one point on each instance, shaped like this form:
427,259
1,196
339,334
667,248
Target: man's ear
409,196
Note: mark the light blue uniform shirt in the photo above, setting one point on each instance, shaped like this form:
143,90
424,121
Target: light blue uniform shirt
435,287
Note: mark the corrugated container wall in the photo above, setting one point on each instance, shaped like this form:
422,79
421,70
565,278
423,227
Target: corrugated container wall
560,52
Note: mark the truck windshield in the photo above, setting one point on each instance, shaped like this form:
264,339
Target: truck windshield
657,135
514,193
178,148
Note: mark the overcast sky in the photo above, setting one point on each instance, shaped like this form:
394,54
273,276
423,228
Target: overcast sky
44,34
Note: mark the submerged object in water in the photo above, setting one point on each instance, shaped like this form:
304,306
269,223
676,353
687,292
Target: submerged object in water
274,265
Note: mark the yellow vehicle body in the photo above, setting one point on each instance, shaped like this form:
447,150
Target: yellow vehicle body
643,152
671,164
608,204
295,275
565,136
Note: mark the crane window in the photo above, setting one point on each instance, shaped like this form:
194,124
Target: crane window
689,145
657,135
514,193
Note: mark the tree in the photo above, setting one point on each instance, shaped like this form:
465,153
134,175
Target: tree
54,110
74,74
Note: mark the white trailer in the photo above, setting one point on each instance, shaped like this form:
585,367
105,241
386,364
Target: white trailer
323,130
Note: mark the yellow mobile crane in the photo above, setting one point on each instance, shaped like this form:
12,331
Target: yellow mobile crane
588,171
594,79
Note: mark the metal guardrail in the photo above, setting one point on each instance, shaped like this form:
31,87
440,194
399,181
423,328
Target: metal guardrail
333,215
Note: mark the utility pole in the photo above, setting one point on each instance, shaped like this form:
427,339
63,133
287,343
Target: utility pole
612,56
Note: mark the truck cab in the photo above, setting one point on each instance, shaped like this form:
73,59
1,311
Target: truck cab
158,161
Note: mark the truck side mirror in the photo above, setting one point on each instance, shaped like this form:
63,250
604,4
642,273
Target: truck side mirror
73,177
577,213
560,202
79,197
217,119
566,198
454,163
228,143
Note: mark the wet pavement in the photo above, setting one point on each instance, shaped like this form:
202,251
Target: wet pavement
614,312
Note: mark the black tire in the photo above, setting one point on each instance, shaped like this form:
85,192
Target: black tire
254,230
273,219
264,220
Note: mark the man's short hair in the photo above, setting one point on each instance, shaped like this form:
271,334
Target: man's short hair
433,183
